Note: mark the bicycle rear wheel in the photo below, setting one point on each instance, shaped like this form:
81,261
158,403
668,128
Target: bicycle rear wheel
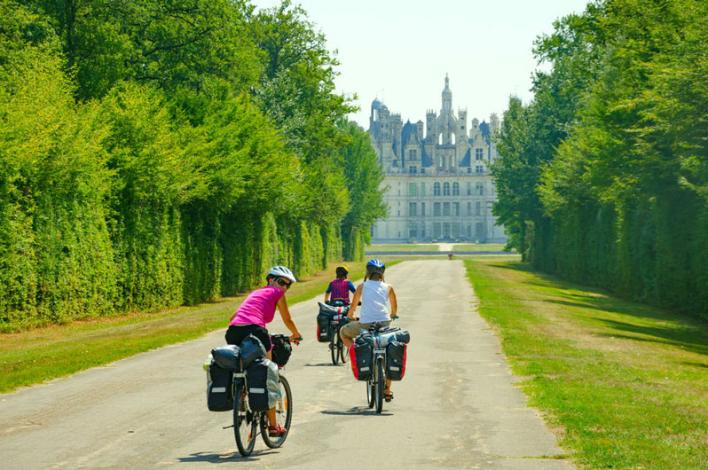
245,430
283,416
333,350
380,384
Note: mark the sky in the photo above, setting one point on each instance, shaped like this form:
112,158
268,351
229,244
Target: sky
399,51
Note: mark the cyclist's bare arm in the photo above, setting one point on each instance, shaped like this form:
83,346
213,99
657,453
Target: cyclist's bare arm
393,301
355,301
287,319
326,297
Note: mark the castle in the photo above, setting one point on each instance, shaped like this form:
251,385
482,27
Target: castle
438,184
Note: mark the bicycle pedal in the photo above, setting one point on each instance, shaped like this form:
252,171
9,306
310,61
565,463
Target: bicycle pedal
227,427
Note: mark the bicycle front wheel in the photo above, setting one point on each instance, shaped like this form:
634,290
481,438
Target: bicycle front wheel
380,384
283,416
343,353
245,430
370,392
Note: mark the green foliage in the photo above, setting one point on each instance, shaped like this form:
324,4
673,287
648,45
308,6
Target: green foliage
608,165
157,153
56,259
177,44
364,179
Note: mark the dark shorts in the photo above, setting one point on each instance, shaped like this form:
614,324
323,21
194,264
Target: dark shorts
236,333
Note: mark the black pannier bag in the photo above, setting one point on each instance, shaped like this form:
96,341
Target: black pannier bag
257,380
251,349
227,357
281,350
324,318
324,332
396,360
362,356
219,393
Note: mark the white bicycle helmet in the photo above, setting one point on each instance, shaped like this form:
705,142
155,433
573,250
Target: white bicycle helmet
281,271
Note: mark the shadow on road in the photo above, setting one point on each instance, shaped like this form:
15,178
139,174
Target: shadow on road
356,411
321,364
223,458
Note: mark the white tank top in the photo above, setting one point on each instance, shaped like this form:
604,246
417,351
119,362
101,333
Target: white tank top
374,302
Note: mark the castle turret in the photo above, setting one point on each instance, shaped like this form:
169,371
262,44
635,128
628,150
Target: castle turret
431,131
446,97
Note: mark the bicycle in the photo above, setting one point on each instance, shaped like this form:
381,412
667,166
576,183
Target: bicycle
246,421
376,383
336,347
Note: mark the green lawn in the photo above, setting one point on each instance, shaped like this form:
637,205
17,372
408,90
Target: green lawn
404,247
478,247
624,385
37,355
416,247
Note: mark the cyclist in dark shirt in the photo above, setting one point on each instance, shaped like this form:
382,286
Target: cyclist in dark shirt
339,289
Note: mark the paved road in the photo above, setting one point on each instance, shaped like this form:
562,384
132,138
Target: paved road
456,408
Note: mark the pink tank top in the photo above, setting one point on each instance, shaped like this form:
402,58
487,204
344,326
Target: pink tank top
259,307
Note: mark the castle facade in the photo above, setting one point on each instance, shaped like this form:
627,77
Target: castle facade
437,179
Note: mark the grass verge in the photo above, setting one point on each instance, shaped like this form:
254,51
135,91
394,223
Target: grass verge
41,354
624,385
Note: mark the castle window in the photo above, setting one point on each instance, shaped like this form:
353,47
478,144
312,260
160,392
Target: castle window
455,189
422,209
478,154
469,187
412,209
413,154
413,170
446,189
456,209
412,231
436,189
477,208
422,185
436,209
446,208
412,189
479,189
480,169
469,209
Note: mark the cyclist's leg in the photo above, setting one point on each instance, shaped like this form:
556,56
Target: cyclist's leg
387,390
348,332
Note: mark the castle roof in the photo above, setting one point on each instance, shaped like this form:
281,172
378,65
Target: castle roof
485,130
425,159
409,134
467,159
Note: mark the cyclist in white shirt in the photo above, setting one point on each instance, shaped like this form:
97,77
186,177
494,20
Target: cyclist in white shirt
376,296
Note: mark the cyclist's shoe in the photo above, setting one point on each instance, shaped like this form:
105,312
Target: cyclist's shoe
276,431
388,396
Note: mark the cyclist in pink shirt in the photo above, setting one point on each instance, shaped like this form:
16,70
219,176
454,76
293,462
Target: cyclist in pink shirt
256,312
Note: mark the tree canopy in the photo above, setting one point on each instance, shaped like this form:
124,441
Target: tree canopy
160,153
603,175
